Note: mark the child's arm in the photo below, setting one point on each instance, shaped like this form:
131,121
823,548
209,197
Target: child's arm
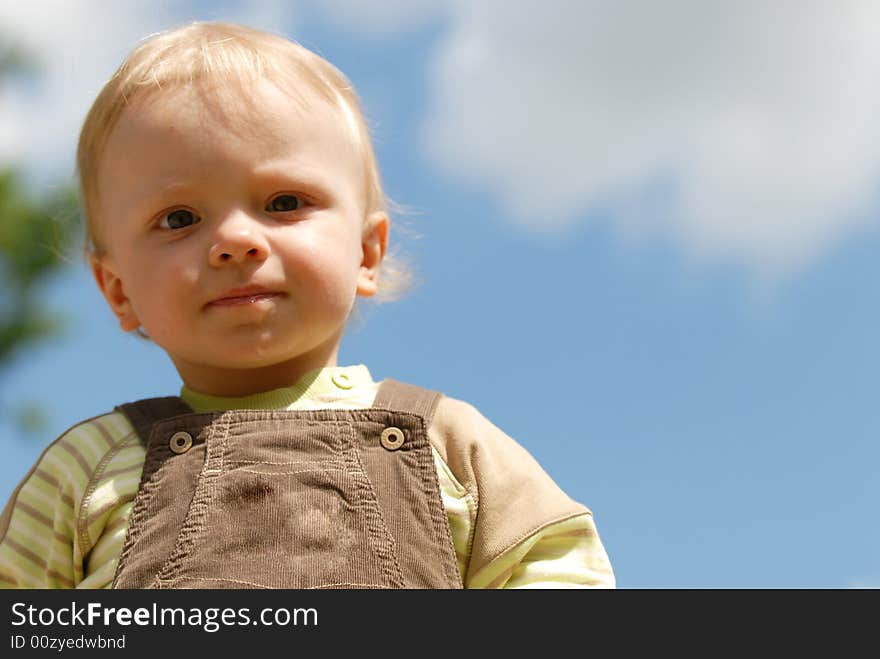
38,527
567,554
54,517
511,525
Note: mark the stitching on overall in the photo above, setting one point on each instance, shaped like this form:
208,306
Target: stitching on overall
291,473
380,537
194,521
173,582
345,583
268,462
143,498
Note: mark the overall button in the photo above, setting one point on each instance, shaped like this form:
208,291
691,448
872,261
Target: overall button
180,442
342,380
392,438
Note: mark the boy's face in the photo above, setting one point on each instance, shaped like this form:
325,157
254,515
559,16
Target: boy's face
237,241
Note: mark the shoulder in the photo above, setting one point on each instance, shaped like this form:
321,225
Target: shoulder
515,496
68,467
458,428
44,529
467,440
84,448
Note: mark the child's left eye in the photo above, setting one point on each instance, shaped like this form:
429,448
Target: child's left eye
284,203
179,219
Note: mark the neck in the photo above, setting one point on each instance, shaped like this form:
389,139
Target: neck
238,382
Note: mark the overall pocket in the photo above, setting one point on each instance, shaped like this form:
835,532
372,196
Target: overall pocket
282,502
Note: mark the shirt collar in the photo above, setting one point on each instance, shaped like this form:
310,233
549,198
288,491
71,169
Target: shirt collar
322,387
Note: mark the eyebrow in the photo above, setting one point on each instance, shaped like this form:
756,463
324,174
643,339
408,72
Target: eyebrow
286,168
145,202
312,178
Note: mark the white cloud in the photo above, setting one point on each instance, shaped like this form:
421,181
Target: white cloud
762,115
79,45
381,18
765,112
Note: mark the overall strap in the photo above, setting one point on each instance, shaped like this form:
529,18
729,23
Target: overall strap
142,414
402,397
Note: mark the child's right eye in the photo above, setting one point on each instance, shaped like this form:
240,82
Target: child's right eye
179,219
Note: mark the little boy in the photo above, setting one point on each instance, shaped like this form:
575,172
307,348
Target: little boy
235,212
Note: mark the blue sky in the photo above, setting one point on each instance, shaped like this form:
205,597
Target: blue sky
654,266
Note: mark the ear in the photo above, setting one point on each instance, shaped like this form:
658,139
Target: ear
108,280
373,245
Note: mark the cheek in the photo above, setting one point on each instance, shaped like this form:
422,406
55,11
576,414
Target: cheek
331,261
160,289
332,282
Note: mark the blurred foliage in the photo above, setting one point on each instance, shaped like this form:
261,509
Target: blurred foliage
30,418
15,62
36,238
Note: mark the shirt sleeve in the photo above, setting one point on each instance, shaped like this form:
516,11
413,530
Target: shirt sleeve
38,527
567,554
50,525
524,531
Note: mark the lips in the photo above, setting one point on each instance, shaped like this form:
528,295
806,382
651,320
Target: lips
244,296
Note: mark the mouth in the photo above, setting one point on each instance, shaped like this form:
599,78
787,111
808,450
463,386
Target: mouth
244,296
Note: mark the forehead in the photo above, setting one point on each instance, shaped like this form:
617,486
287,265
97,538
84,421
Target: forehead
180,131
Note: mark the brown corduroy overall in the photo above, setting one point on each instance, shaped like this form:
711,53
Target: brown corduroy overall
288,499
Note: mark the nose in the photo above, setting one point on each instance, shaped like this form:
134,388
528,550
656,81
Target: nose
238,239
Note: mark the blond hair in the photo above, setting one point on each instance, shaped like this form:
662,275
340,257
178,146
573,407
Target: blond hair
200,55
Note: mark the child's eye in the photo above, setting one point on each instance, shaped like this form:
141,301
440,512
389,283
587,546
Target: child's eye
284,203
179,219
